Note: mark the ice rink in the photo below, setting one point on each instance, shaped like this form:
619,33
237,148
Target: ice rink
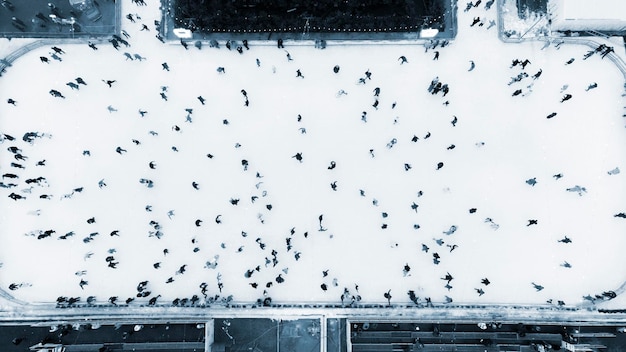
478,178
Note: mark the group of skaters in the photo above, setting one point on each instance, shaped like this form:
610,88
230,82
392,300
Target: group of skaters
521,76
275,258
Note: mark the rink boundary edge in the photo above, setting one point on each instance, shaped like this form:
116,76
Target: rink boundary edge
438,313
25,309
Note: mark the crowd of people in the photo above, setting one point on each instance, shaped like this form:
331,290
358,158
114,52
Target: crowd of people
275,258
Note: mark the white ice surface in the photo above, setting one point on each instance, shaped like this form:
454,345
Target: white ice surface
583,142
594,10
580,15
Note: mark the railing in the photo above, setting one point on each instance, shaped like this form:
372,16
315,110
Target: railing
8,61
596,33
320,305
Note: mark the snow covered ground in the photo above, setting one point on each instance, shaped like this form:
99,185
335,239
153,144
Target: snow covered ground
390,201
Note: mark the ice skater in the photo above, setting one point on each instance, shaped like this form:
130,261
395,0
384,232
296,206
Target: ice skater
403,60
591,86
72,85
16,197
532,181
321,218
109,82
14,149
607,51
577,189
565,240
566,97
406,270
433,84
388,296
445,89
56,94
115,43
589,54
450,231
